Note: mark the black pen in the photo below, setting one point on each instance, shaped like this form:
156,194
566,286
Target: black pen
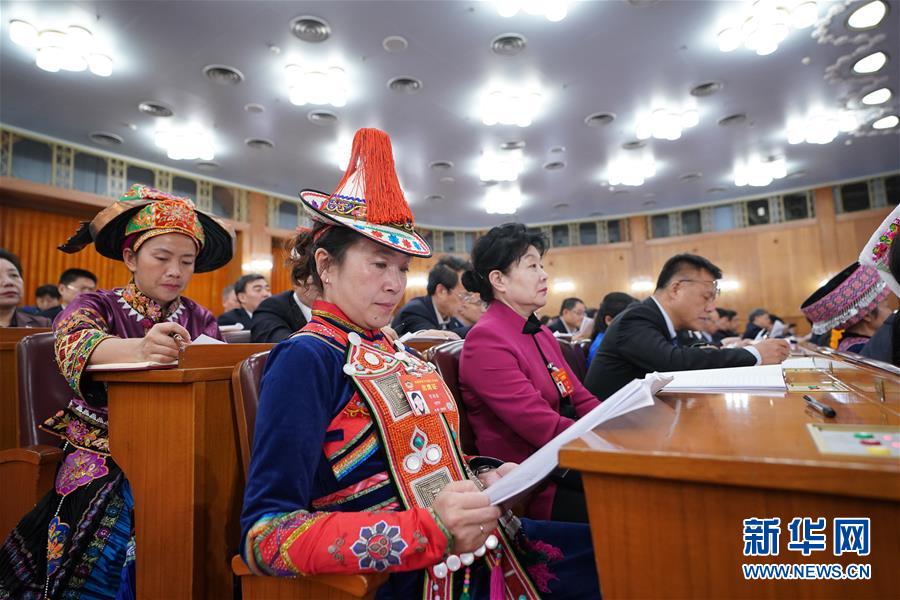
818,406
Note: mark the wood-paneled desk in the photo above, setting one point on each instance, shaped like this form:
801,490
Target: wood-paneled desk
9,389
668,488
173,433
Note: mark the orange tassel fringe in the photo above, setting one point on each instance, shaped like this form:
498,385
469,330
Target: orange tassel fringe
373,156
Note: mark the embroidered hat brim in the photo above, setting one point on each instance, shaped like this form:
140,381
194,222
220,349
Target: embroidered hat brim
107,231
350,212
876,252
845,299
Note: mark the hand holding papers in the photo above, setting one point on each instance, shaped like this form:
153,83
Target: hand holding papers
538,466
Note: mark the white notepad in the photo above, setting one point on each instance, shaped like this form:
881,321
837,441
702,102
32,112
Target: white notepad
762,378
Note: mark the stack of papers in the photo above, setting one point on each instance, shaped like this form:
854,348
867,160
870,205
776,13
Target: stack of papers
534,469
763,378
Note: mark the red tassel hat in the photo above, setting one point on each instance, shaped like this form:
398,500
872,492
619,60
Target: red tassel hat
369,199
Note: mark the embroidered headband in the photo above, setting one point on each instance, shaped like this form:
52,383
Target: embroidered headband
845,299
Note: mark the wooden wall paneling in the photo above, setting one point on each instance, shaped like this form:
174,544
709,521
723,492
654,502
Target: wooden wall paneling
595,270
281,267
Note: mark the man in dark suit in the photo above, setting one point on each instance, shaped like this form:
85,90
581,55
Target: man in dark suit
571,315
250,290
643,338
72,283
281,315
438,310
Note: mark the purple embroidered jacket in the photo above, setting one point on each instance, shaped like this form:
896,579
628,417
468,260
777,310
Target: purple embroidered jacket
92,318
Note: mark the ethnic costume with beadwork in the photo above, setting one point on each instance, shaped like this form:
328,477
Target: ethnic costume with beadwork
346,465
78,541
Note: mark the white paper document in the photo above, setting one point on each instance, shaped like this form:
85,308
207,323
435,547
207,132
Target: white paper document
204,339
534,469
762,378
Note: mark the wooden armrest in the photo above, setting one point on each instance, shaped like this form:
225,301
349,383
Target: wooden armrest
35,455
355,585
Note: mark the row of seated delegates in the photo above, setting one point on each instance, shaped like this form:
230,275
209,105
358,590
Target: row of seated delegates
762,324
855,302
644,339
72,283
612,304
518,389
12,289
249,291
883,254
348,474
280,316
77,540
438,313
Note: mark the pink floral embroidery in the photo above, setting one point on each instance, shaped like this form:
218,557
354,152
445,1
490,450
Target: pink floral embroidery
80,468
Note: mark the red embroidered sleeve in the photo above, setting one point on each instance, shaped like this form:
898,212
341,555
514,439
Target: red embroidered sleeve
77,335
305,543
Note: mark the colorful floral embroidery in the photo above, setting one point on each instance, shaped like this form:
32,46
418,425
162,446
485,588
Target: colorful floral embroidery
885,240
79,468
82,427
76,338
144,309
57,534
378,547
270,538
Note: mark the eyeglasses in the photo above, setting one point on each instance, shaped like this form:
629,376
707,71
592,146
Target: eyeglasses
708,297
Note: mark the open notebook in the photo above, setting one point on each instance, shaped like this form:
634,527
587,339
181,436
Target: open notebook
763,378
535,468
200,340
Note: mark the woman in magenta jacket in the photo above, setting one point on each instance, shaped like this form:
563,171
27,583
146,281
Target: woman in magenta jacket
513,375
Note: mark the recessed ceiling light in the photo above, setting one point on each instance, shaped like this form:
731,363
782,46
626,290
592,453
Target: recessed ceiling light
868,15
715,190
555,165
871,63
434,197
557,149
511,105
254,108
207,165
512,145
106,139
886,122
394,43
440,165
706,89
259,143
405,85
508,44
735,119
634,145
317,85
879,96
690,176
311,29
322,117
185,141
223,74
155,109
665,123
599,119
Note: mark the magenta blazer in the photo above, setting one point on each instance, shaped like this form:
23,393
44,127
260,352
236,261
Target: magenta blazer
511,401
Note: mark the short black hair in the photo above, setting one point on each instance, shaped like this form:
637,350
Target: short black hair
70,275
680,262
446,273
569,304
726,312
756,312
240,286
7,255
613,303
497,250
48,289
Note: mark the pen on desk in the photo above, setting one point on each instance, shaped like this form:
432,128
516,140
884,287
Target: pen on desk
819,407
